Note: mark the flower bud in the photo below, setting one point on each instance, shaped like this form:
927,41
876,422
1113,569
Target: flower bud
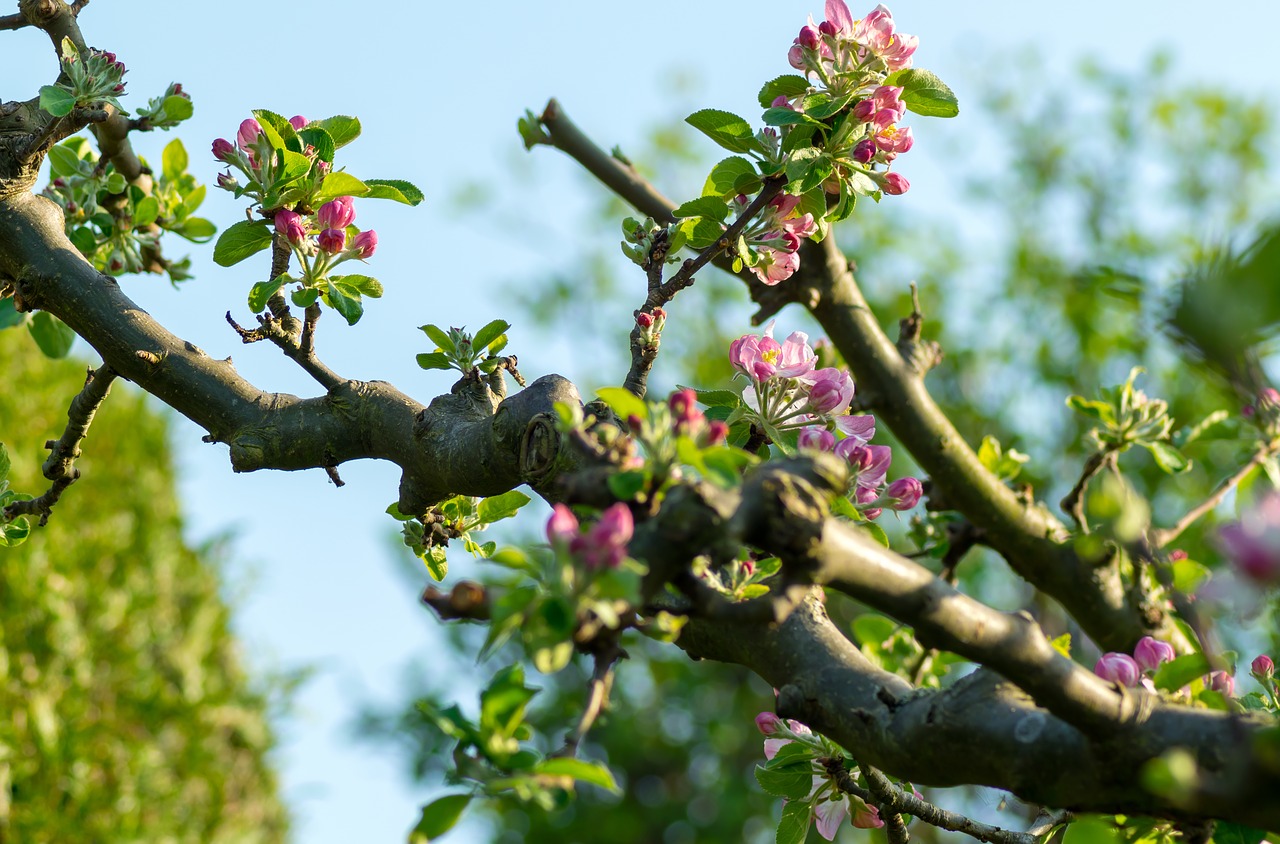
896,184
248,133
769,724
827,28
1176,555
605,543
795,57
1118,668
864,150
333,241
866,495
290,226
59,183
1221,681
644,320
223,150
365,244
635,423
906,492
175,90
818,439
684,407
298,122
562,527
717,432
1263,666
1151,653
337,213
809,38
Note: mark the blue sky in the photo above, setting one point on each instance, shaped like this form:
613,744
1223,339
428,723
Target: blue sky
438,88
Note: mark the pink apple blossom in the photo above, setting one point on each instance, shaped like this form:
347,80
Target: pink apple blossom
904,492
332,241
1263,666
298,122
861,427
769,724
1118,668
1253,543
289,224
365,244
1221,681
223,150
604,545
830,392
815,438
562,527
248,133
896,184
1151,653
337,213
775,266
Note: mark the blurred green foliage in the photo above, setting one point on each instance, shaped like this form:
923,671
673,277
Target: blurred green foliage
127,712
1073,211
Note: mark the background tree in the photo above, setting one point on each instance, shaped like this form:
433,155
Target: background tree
128,715
1113,582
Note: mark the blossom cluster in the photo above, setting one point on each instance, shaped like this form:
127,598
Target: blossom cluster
789,392
830,806
851,60
1149,654
603,545
776,237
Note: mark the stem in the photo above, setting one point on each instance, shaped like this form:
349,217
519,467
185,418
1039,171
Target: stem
1073,503
1161,538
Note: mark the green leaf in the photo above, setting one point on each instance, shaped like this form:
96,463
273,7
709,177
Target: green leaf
339,184
706,206
1168,458
63,161
51,334
786,117
347,305
502,506
877,533
315,136
440,337
788,85
239,241
1225,832
623,402
296,165
437,561
793,782
820,106
486,336
341,128
1091,830
726,129
503,701
701,232
174,160
580,770
263,290
1100,410
177,109
57,101
395,189
16,532
732,176
1180,671
924,93
625,486
717,398
438,817
1188,575
361,284
146,212
434,360
872,630
195,229
794,825
5,463
551,659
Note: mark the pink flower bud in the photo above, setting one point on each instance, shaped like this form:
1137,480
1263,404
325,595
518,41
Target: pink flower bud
365,244
1118,668
59,183
118,89
781,101
337,213
223,150
562,527
298,122
635,423
795,57
1177,554
864,150
1221,681
290,226
817,439
896,184
248,133
178,92
717,432
866,495
831,390
769,724
605,543
684,407
906,492
1263,666
809,38
1151,653
827,28
1253,543
333,241
226,181
72,208
644,320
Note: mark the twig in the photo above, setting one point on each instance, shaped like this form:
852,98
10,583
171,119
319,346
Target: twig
1161,538
60,466
467,601
276,330
16,21
885,793
897,800
597,698
1073,503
